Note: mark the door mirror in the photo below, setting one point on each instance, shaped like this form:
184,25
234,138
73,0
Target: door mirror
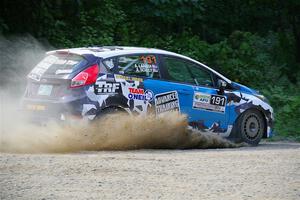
222,85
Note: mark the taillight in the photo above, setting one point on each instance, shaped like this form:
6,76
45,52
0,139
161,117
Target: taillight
86,77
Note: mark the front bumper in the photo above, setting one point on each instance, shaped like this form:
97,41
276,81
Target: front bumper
270,127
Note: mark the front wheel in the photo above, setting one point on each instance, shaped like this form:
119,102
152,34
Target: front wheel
250,127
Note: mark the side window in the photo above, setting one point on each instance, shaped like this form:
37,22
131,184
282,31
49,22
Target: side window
138,65
201,76
178,70
183,71
109,63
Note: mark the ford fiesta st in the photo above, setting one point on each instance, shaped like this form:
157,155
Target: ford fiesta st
90,82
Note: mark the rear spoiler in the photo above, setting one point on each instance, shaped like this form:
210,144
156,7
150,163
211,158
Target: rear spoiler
61,51
68,52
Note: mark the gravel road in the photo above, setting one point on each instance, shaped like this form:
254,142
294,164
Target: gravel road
269,171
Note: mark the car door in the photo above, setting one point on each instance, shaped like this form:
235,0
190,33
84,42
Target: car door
198,98
209,109
171,95
132,72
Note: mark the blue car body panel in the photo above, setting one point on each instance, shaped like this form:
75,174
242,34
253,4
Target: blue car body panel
186,95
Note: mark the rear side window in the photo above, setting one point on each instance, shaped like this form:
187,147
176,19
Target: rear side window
135,65
57,64
187,72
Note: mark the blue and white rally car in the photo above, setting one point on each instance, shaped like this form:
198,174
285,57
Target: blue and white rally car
91,82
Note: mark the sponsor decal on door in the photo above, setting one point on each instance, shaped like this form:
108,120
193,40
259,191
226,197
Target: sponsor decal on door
215,103
166,102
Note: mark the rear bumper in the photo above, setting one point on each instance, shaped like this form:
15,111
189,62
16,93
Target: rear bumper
41,111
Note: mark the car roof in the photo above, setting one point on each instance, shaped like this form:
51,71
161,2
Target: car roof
111,51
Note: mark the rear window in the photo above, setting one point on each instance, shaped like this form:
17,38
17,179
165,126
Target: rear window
56,64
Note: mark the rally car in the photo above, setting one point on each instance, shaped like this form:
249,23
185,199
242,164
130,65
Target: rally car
87,83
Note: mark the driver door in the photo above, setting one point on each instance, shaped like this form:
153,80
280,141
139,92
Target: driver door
206,109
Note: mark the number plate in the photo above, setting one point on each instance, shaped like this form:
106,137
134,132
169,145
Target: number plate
35,107
45,90
217,100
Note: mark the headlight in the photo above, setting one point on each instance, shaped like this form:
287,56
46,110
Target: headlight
262,97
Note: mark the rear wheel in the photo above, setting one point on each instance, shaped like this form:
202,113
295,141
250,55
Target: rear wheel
111,112
250,127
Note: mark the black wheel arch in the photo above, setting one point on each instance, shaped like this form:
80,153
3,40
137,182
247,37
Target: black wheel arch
112,107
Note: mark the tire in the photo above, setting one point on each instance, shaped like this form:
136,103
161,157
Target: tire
250,127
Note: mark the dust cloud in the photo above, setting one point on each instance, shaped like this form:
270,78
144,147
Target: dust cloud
115,132
18,55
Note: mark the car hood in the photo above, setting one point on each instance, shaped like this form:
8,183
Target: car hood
244,88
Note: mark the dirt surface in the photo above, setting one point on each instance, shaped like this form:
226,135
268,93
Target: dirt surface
269,171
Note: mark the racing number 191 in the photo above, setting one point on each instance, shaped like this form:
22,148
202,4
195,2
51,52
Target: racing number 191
148,59
218,100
